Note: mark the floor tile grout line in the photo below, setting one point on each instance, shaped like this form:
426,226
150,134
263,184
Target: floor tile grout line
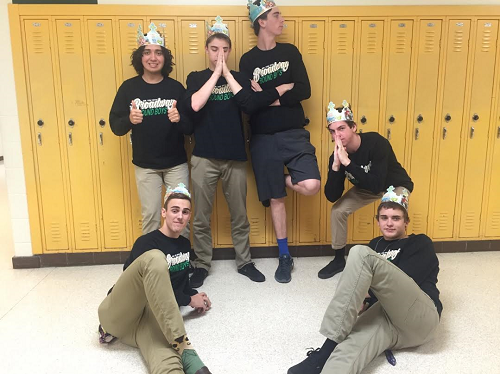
27,293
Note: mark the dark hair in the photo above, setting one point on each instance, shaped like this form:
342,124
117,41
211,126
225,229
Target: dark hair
256,24
176,195
136,61
220,37
395,206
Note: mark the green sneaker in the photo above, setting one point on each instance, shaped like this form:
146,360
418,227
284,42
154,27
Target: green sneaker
192,363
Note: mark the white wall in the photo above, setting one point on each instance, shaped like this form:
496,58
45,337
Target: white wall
9,122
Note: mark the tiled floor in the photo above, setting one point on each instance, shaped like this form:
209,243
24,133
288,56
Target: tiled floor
48,318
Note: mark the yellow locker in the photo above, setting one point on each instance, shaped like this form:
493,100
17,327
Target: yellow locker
312,40
492,216
75,122
166,28
341,87
423,120
477,126
193,37
248,38
111,177
46,134
450,128
128,42
367,114
288,34
398,82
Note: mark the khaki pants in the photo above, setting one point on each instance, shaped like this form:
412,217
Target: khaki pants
404,316
351,201
149,185
142,312
205,173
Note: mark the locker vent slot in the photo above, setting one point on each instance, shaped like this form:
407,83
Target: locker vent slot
85,231
313,43
101,44
55,232
402,42
443,221
495,221
114,230
470,220
69,47
458,41
341,43
430,41
39,45
372,41
418,222
194,43
364,225
486,41
254,227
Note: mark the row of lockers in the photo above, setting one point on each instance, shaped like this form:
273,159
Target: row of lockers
428,85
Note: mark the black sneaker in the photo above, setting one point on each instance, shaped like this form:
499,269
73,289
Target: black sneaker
334,267
199,275
284,271
313,364
251,272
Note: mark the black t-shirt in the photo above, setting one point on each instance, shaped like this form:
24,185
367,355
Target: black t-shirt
282,64
176,251
373,167
218,128
414,255
157,143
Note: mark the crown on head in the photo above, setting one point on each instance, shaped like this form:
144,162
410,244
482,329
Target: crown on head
152,37
391,195
181,188
217,28
334,115
255,11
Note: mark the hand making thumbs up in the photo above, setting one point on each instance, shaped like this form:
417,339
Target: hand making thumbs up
135,114
173,113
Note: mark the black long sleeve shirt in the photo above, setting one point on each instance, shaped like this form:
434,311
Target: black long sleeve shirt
282,64
414,255
177,255
157,143
373,167
217,127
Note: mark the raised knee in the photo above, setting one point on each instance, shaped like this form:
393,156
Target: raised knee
359,251
154,258
311,186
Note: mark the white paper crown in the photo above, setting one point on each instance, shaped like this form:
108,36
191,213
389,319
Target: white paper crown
152,37
181,188
255,11
217,28
402,199
334,115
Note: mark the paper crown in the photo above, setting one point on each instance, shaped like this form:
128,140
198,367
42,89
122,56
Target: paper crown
334,115
217,28
152,37
391,195
255,11
181,188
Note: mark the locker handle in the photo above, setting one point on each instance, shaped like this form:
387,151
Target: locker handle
102,122
40,122
100,138
417,133
391,119
363,120
444,132
71,123
420,118
39,137
475,117
498,132
388,134
472,132
447,118
70,139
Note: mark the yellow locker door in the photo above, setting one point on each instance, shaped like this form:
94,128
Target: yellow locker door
341,78
477,126
312,41
128,42
248,38
40,78
423,120
166,28
288,34
75,122
450,128
367,113
192,56
398,82
493,209
111,176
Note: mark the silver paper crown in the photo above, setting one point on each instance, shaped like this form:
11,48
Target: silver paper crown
181,188
152,37
255,11
334,115
217,28
391,195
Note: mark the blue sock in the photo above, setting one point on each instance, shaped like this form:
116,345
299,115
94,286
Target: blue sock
283,246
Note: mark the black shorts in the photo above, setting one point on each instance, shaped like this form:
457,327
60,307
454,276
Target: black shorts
270,153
